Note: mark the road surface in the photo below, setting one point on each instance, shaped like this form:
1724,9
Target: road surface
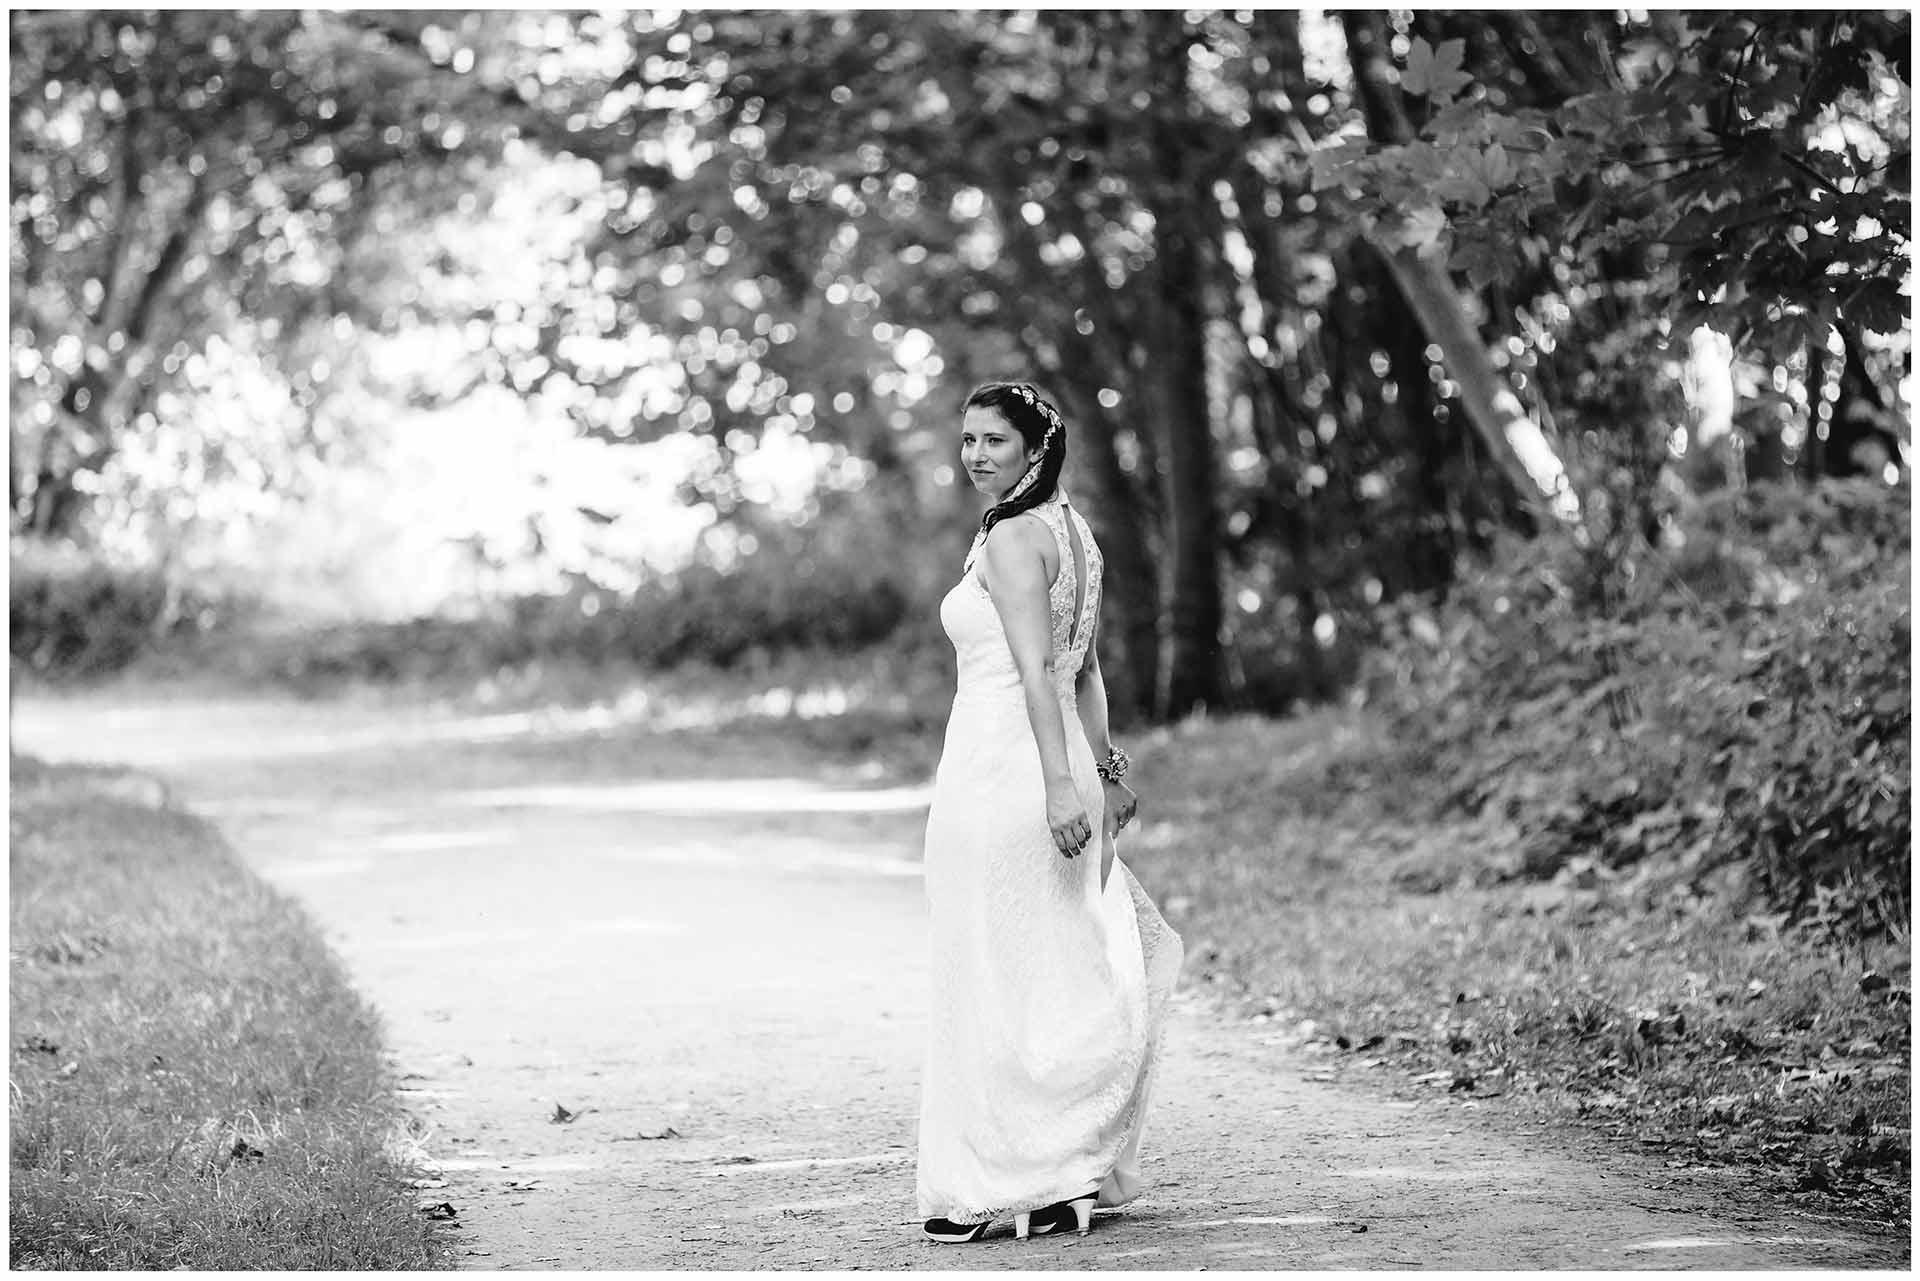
655,1000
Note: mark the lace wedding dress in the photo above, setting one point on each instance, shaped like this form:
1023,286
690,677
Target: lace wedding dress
1049,988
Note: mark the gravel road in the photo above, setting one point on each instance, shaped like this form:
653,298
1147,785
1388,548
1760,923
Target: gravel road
656,1003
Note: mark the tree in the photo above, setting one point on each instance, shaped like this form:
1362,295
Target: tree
1759,164
179,177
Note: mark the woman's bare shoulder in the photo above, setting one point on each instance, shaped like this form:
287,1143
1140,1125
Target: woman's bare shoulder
1018,539
1021,529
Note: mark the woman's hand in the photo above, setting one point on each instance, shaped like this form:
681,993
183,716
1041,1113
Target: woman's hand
1067,818
1121,805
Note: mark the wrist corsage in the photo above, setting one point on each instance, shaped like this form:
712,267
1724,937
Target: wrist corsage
1115,767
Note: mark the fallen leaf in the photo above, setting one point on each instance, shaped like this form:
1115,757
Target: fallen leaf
644,1137
444,1210
1817,1177
560,1115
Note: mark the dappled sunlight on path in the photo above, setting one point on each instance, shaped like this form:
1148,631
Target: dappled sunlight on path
652,1013
145,724
703,796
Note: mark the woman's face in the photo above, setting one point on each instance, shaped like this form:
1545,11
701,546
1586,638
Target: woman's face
993,452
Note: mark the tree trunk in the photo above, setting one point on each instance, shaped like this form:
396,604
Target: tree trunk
1489,403
1294,513
1430,559
1492,409
1195,675
1129,634
1860,417
88,406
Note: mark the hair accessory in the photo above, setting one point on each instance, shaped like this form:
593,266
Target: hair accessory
1047,411
1115,767
1032,476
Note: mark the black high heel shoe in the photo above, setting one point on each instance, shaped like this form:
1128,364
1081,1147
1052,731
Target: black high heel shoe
947,1232
1076,1213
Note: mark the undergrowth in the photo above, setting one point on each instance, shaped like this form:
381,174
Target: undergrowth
1734,711
1308,883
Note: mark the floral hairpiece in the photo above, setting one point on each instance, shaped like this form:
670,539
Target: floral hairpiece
1047,411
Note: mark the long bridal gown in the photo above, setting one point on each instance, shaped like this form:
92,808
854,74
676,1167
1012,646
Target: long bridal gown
1049,988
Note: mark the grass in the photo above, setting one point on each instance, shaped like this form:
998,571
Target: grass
194,1085
1408,951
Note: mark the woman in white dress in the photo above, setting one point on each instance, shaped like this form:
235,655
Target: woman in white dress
1050,966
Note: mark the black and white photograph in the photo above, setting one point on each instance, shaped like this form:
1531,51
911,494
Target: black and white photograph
1037,640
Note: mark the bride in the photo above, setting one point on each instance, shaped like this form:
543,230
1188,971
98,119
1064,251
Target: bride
1050,966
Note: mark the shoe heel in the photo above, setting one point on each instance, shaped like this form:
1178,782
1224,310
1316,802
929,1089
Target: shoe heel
1083,1214
1021,1222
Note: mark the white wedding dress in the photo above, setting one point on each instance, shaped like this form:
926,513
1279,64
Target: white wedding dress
1049,990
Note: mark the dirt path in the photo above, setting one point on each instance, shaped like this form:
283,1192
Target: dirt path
721,943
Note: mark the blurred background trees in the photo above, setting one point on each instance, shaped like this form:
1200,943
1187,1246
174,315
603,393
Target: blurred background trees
388,314
1540,380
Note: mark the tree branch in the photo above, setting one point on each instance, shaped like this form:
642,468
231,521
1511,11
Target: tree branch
172,257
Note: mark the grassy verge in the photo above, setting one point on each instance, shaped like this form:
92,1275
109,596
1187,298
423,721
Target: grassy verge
194,1085
1407,952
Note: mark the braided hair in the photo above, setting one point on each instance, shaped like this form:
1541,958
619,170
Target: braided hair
1038,423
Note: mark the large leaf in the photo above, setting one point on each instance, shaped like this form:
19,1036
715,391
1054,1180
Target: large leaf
1879,307
1435,72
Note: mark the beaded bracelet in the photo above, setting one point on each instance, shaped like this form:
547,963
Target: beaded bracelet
1115,767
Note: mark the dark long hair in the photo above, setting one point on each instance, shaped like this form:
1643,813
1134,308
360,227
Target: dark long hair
1040,426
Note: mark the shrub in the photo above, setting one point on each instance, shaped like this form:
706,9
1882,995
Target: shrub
1827,823
71,615
766,606
1741,708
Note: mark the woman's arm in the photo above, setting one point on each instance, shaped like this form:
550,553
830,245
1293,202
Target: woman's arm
1090,689
1015,571
1091,693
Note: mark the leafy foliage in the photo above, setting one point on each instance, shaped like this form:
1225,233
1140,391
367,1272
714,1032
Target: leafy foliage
1760,162
1393,946
199,208
1742,709
69,615
249,242
835,595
